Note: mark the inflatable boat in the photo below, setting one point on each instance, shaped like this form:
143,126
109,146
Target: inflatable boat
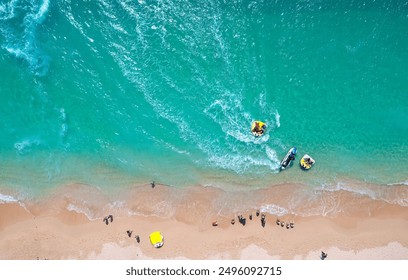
258,128
306,162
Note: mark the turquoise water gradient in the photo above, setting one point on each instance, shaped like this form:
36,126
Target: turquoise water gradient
113,92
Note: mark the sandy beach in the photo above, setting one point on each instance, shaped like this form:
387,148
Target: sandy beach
50,228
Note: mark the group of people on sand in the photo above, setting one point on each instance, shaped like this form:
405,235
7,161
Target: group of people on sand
242,220
282,224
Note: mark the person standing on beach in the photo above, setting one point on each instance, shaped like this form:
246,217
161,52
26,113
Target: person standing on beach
242,220
263,221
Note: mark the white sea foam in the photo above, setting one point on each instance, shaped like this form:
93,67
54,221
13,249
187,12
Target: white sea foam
374,192
7,199
274,210
82,210
7,9
71,18
63,115
17,52
238,162
229,110
119,28
175,149
22,43
216,30
25,145
399,183
273,157
64,126
4,199
118,208
277,119
42,11
226,108
342,186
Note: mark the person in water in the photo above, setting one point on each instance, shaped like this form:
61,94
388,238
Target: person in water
256,127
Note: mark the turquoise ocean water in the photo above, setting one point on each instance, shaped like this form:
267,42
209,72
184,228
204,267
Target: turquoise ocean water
118,92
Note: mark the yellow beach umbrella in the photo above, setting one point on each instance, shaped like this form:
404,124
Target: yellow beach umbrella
156,238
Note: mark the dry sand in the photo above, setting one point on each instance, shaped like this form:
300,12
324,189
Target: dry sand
47,230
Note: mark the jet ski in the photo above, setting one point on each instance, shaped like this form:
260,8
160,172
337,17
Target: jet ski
306,162
287,160
258,128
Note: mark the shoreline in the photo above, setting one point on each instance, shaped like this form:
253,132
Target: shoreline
52,229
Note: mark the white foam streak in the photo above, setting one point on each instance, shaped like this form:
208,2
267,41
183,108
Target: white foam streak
361,190
40,16
239,163
4,199
81,210
75,23
215,28
274,210
171,147
7,10
22,43
400,183
131,10
64,125
18,53
25,145
277,119
374,192
273,157
7,199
